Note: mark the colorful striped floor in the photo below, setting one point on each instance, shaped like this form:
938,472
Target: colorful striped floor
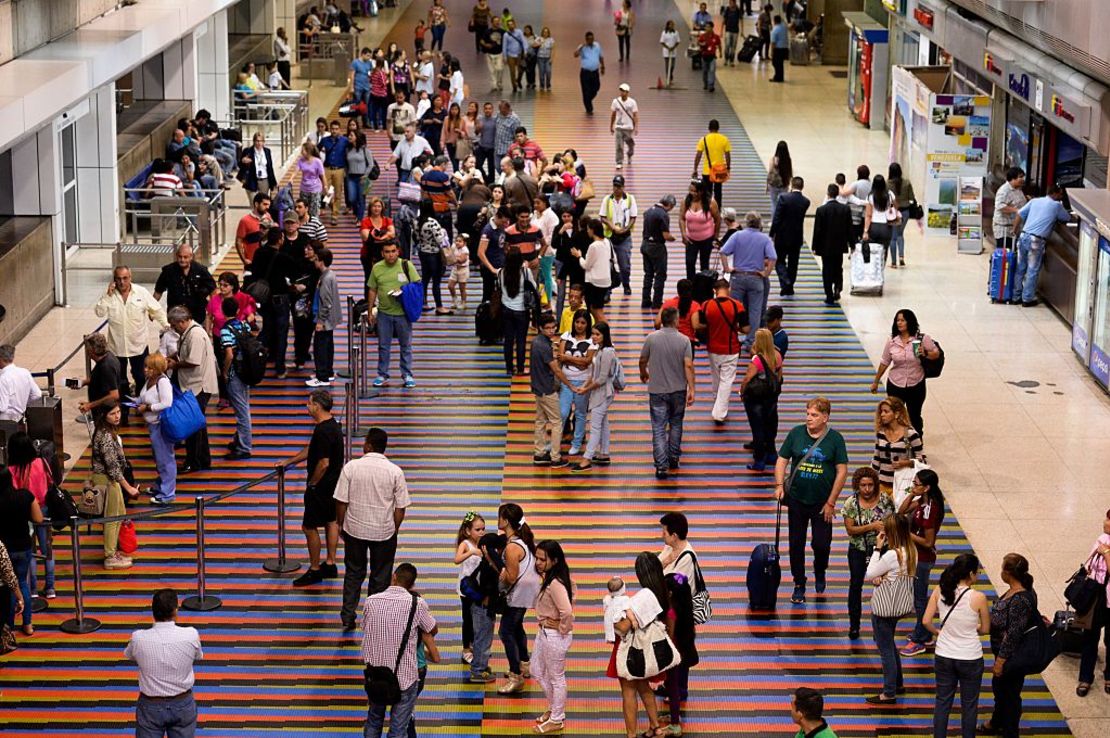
276,660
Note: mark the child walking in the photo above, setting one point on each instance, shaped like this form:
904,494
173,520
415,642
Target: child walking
460,271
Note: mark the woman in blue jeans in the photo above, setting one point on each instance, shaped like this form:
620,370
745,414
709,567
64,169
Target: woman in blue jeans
521,584
431,241
514,280
893,561
925,508
575,351
18,509
30,472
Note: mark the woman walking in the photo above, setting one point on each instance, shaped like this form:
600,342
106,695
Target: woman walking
531,43
18,511
156,396
891,570
521,582
623,20
515,279
881,216
110,472
379,91
575,353
452,132
479,23
438,21
359,163
897,444
431,242
555,616
312,177
432,124
863,513
902,189
925,508
545,56
1097,565
601,390
699,220
761,400
645,607
902,355
597,264
31,472
1010,616
965,615
779,174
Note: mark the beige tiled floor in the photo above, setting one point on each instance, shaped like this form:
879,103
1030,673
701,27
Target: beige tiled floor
1023,470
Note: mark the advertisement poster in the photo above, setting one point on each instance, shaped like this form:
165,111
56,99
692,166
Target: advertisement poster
956,147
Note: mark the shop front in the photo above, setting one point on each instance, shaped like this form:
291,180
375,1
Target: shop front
1091,319
868,69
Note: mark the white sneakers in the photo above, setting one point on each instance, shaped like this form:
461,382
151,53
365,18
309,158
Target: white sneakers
117,561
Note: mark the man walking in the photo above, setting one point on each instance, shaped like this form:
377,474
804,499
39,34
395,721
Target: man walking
384,290
487,135
493,47
129,308
832,238
310,226
17,387
709,48
195,364
392,623
624,123
334,150
185,282
401,114
732,20
591,63
165,654
725,320
324,457
780,48
505,127
618,215
787,231
371,496
752,259
407,149
329,314
818,461
512,44
667,368
1035,223
715,148
656,235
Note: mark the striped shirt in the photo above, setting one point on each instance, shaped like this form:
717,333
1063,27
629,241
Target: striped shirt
907,448
383,628
314,229
529,151
164,185
165,654
527,241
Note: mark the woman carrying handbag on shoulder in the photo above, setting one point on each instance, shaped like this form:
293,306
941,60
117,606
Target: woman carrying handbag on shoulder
1010,617
891,570
1097,565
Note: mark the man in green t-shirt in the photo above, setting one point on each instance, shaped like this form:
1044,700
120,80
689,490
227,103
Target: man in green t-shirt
806,706
814,482
384,287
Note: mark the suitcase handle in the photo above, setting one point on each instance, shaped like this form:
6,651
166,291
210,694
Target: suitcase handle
778,524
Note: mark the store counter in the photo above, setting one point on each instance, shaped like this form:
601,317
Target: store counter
1091,312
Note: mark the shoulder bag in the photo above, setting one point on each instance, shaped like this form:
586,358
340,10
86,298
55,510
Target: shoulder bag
1036,650
805,457
646,651
718,172
703,605
893,598
931,367
764,385
91,504
380,682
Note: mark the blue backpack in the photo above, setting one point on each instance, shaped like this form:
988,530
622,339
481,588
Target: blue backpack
412,294
181,419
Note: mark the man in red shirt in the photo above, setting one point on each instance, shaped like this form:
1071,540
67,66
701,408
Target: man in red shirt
527,149
252,228
724,319
709,45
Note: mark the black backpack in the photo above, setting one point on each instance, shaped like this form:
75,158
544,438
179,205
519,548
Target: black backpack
764,385
252,355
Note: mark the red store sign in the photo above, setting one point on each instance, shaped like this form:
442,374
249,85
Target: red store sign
924,17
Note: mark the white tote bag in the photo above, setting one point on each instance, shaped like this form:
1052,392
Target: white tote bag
903,482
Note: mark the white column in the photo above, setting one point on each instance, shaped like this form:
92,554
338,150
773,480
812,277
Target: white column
97,174
213,87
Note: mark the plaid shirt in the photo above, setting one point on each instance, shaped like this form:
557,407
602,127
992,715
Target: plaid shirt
373,487
383,627
505,127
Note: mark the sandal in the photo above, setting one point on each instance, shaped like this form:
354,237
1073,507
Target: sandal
1082,689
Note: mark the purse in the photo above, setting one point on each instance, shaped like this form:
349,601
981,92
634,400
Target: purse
646,652
408,192
380,682
893,598
1083,589
1036,650
128,541
703,604
931,367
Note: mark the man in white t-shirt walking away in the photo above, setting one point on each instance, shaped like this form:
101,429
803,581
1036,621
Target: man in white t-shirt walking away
624,123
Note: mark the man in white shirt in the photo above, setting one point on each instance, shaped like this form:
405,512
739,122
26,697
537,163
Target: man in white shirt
165,654
17,386
371,497
624,123
407,149
400,114
129,308
426,75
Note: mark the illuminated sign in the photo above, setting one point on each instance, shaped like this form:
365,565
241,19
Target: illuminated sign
991,65
1019,85
1060,111
924,17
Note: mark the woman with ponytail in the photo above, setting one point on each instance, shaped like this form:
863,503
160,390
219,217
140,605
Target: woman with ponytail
925,508
894,557
520,583
1010,617
965,615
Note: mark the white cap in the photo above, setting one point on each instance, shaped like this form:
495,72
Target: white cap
623,87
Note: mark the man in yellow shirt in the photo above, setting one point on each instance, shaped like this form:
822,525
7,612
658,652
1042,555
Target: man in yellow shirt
713,148
574,304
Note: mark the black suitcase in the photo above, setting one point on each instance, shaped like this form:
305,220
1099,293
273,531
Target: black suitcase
765,571
750,48
487,326
704,285
1071,637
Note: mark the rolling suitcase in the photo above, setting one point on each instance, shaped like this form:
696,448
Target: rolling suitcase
867,268
799,50
487,326
750,48
1070,635
1001,284
704,285
765,571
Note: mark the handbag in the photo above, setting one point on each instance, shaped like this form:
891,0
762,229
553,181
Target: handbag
703,604
128,541
764,385
1038,647
463,148
586,191
91,504
646,652
718,173
408,192
183,418
380,682
7,638
903,482
916,212
931,367
1083,589
893,598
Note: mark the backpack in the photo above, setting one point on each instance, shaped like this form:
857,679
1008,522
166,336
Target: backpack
252,355
619,382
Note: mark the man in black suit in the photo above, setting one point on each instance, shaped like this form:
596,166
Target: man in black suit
786,230
256,168
832,238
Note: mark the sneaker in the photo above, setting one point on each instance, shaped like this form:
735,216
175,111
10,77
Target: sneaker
913,649
799,596
574,451
819,583
160,500
310,577
853,635
379,382
541,460
483,678
117,561
661,474
559,463
330,571
50,594
513,685
409,382
468,657
237,455
314,382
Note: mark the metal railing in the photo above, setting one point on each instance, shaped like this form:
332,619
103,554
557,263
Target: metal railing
199,218
281,116
327,55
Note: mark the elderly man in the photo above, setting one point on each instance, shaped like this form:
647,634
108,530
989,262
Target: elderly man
406,150
107,379
505,126
185,283
17,386
195,363
129,308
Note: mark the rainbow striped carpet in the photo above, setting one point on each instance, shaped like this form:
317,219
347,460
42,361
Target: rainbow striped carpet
276,662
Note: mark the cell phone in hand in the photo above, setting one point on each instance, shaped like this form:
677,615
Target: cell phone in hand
73,383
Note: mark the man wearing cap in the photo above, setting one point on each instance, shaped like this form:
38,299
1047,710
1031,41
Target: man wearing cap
624,123
618,215
657,232
748,257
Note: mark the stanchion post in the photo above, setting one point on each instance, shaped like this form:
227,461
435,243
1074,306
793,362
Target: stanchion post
201,602
349,405
79,624
38,604
281,565
356,385
363,379
350,337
